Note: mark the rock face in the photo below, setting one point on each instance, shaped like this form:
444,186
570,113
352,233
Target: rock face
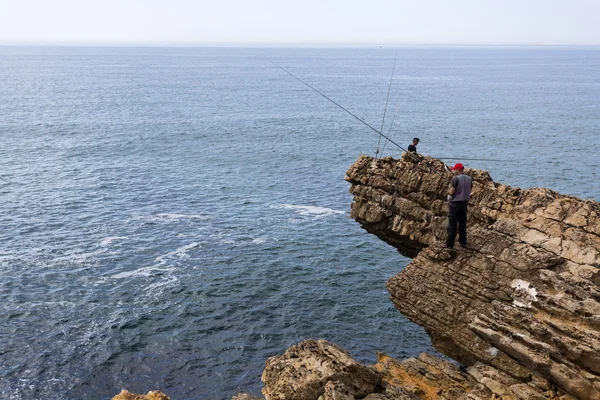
305,369
523,298
152,395
318,370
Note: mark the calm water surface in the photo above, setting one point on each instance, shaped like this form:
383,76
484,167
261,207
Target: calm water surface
174,216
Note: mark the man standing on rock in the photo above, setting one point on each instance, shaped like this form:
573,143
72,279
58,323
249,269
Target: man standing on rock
459,195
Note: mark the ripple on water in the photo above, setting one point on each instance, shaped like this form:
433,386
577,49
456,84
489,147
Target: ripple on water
179,243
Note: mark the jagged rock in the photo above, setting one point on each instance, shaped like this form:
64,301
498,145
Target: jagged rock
305,368
320,370
152,395
524,297
335,390
429,377
393,393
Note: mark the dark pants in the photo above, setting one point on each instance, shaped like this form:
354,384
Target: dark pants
457,214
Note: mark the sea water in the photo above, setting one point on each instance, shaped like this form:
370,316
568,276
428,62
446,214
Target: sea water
172,217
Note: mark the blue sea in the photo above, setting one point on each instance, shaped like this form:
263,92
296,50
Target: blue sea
172,217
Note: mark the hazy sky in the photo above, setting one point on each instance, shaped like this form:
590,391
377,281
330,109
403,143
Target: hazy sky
301,21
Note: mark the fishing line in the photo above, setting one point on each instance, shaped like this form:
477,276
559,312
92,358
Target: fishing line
385,110
361,120
390,130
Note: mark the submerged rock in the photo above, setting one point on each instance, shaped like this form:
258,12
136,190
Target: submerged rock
524,296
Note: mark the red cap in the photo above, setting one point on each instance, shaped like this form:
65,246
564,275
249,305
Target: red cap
458,166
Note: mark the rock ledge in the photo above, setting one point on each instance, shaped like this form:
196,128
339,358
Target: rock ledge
523,298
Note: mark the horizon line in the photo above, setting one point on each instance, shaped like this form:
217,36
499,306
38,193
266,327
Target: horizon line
275,44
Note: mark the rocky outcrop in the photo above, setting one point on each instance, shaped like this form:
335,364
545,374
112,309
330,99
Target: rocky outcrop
319,370
304,370
523,298
430,377
152,395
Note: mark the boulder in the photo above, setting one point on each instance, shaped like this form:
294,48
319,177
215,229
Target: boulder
152,395
303,371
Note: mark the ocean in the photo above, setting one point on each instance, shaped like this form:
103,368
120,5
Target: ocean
172,217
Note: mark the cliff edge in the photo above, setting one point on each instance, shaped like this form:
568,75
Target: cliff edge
523,298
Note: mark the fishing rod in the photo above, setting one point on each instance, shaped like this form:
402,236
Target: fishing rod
365,123
375,130
385,110
471,159
390,130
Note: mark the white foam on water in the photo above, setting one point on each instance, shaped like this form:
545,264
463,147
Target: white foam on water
221,239
164,269
259,240
163,266
51,304
79,258
312,210
166,282
170,217
143,272
180,252
181,216
108,240
186,235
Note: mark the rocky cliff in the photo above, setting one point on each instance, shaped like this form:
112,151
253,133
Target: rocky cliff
523,298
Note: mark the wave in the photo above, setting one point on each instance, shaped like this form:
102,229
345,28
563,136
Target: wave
162,267
144,271
79,258
312,210
180,252
170,217
108,240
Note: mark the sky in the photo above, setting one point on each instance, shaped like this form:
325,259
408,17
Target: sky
301,22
